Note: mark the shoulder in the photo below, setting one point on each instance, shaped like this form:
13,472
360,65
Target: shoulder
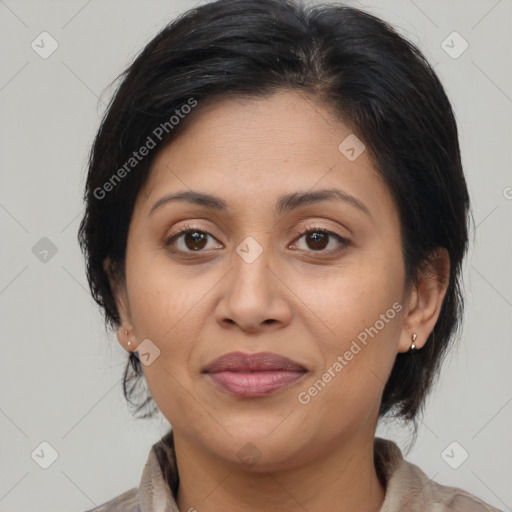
409,488
126,502
153,492
446,498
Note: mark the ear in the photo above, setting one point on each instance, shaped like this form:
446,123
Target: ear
425,300
120,294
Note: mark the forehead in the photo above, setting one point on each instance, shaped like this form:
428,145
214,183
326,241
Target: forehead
259,149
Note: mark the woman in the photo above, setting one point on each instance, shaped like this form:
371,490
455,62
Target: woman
276,218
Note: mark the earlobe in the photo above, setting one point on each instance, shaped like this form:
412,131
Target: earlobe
124,339
426,300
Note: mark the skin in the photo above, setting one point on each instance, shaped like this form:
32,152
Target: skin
306,304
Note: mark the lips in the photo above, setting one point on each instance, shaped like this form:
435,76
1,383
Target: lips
251,375
261,361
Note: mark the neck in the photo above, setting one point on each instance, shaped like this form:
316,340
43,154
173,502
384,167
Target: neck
343,479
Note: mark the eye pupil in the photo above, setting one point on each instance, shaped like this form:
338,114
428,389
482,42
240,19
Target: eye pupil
319,239
196,237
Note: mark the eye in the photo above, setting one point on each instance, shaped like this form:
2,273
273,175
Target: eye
318,239
194,239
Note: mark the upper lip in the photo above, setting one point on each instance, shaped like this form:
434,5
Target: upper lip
260,361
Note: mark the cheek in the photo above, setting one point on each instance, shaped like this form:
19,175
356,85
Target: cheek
360,311
351,299
347,391
162,296
167,309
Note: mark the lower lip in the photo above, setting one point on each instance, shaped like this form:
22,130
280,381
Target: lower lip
251,384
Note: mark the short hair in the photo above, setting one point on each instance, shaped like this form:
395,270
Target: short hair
377,82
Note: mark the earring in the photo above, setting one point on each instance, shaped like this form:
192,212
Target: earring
129,342
413,339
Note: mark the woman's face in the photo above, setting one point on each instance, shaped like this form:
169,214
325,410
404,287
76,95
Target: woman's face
248,281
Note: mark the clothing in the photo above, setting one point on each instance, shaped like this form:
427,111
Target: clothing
408,489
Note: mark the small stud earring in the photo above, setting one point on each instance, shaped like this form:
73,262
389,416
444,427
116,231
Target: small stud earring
129,342
413,339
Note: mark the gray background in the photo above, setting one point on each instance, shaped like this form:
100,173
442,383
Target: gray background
60,371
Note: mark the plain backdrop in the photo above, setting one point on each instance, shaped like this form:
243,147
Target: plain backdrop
61,373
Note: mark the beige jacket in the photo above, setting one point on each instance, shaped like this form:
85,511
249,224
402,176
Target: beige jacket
408,489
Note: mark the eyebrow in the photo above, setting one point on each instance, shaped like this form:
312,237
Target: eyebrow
285,204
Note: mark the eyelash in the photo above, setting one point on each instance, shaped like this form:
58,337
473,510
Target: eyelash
189,228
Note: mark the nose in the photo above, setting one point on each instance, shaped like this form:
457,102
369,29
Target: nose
254,295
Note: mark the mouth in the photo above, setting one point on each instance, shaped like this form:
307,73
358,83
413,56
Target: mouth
253,375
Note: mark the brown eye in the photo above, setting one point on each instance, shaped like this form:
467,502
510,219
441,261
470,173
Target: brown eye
317,239
194,240
189,239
